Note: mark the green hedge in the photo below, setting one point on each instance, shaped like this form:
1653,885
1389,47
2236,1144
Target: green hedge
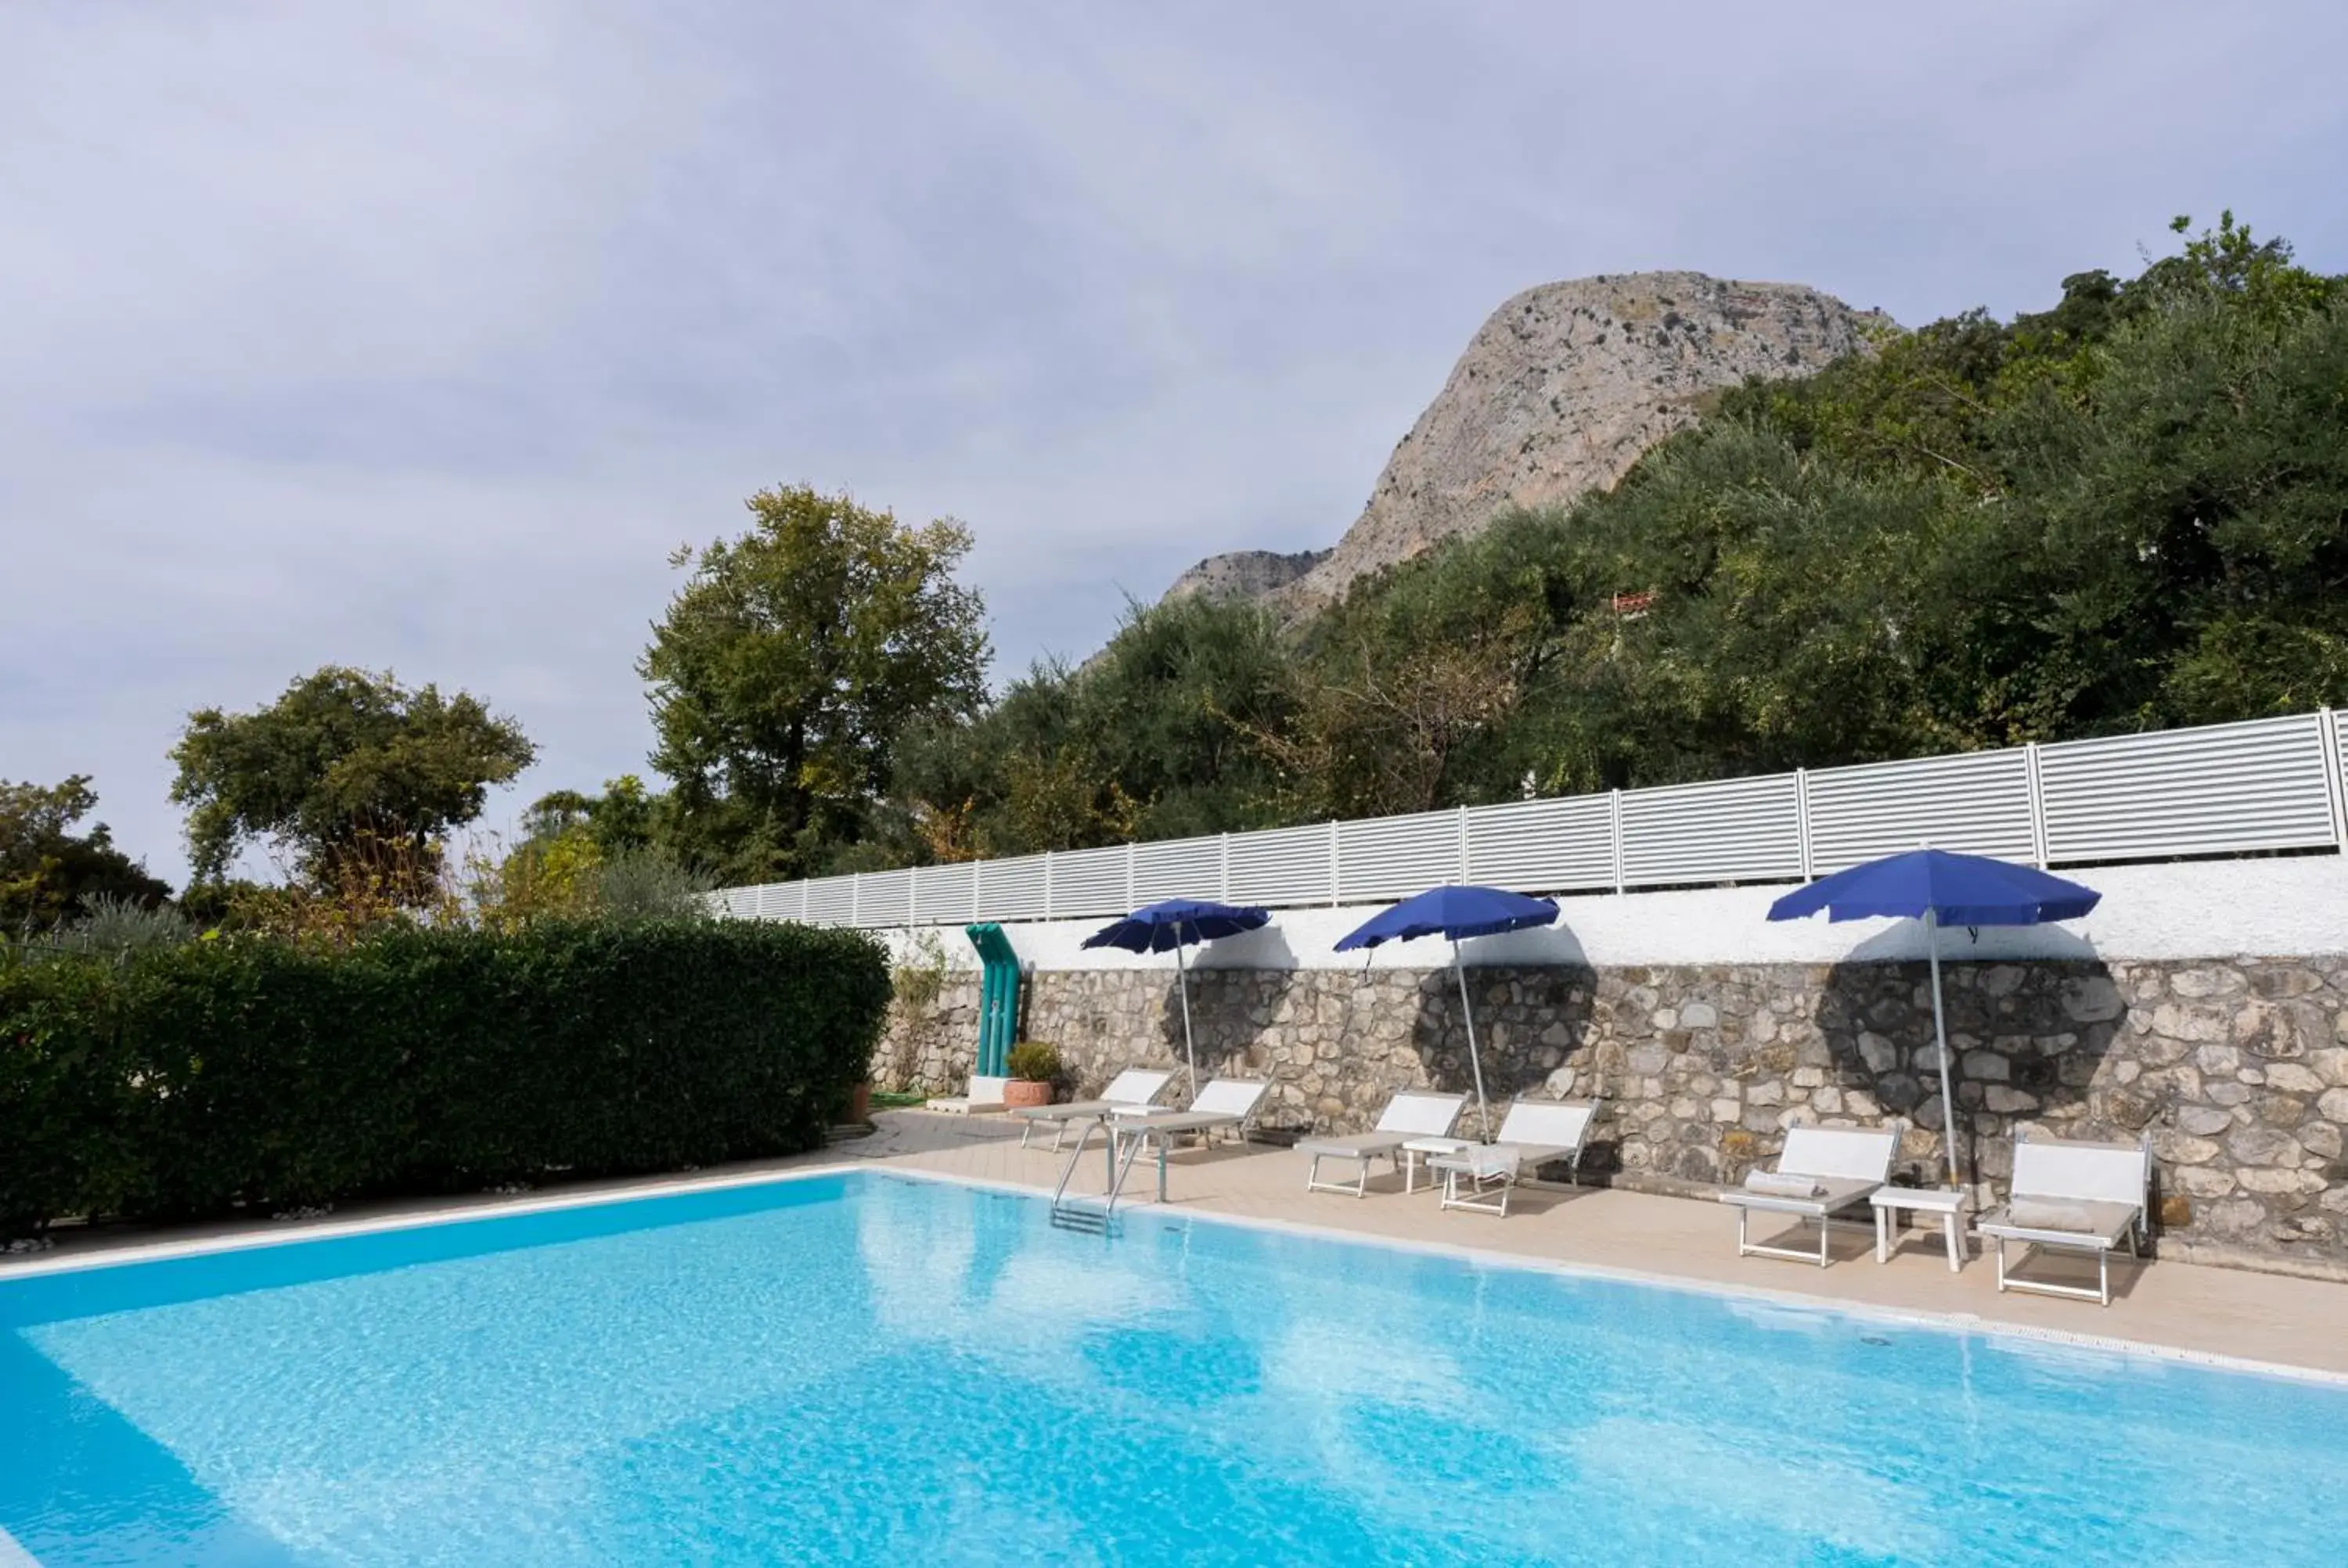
250,1071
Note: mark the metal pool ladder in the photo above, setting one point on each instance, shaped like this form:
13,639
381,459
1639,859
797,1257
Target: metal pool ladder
1091,1212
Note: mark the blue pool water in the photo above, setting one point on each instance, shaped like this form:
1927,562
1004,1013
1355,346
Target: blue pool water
871,1369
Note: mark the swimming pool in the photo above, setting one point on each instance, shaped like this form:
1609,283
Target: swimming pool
868,1369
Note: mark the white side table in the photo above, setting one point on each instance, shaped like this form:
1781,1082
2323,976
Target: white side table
1485,1165
1418,1149
1945,1202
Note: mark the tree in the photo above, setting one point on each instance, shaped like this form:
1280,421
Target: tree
1162,733
2198,515
582,856
49,873
351,773
787,669
1396,700
623,819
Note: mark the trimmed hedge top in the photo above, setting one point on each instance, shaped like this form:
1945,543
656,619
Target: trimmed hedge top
189,1080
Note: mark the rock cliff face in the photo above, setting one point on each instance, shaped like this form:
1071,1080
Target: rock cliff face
1245,574
1560,391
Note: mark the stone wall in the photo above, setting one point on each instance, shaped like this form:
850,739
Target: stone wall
2237,1069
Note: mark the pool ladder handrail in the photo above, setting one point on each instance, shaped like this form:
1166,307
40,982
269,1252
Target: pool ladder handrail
1063,1205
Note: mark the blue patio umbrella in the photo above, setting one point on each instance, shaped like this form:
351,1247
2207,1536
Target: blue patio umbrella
1941,888
1177,923
1456,912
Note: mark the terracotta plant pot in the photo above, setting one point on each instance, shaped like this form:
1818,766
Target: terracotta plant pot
1020,1095
859,1104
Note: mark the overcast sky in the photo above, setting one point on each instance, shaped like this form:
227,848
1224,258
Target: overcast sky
417,335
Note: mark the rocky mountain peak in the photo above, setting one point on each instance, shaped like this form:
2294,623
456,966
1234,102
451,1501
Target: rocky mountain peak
1560,392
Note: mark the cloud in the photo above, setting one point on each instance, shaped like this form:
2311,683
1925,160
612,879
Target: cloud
417,335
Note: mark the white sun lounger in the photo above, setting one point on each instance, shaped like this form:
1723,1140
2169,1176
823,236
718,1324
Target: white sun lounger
1535,1133
2083,1197
1824,1173
1132,1089
986,1095
1223,1105
1413,1114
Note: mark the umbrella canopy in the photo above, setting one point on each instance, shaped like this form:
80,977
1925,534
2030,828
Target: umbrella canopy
1941,888
1175,922
1956,889
1457,912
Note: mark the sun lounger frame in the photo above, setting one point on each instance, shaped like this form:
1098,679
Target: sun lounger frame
1850,1162
1410,1113
1545,1132
1235,1103
2053,1170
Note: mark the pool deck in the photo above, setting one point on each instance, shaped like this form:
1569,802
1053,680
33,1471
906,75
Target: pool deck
2228,1312
2233,1314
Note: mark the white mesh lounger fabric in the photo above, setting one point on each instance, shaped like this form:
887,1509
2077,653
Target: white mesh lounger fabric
1132,1089
2082,1197
1413,1114
986,1095
1840,1167
1535,1133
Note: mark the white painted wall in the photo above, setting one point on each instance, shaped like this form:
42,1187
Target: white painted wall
2193,909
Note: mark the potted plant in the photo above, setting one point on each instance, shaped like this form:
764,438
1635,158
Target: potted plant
1035,1070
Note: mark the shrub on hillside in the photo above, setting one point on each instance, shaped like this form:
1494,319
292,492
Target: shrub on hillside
244,1071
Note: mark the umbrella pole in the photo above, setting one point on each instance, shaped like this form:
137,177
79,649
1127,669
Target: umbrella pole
1941,1034
1190,1052
1474,1063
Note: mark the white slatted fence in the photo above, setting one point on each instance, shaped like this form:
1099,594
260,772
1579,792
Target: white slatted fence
1395,856
1738,830
1977,803
2264,787
1286,864
1088,882
2227,789
1177,869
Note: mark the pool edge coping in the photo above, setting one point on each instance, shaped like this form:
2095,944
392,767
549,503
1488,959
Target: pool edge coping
37,1266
